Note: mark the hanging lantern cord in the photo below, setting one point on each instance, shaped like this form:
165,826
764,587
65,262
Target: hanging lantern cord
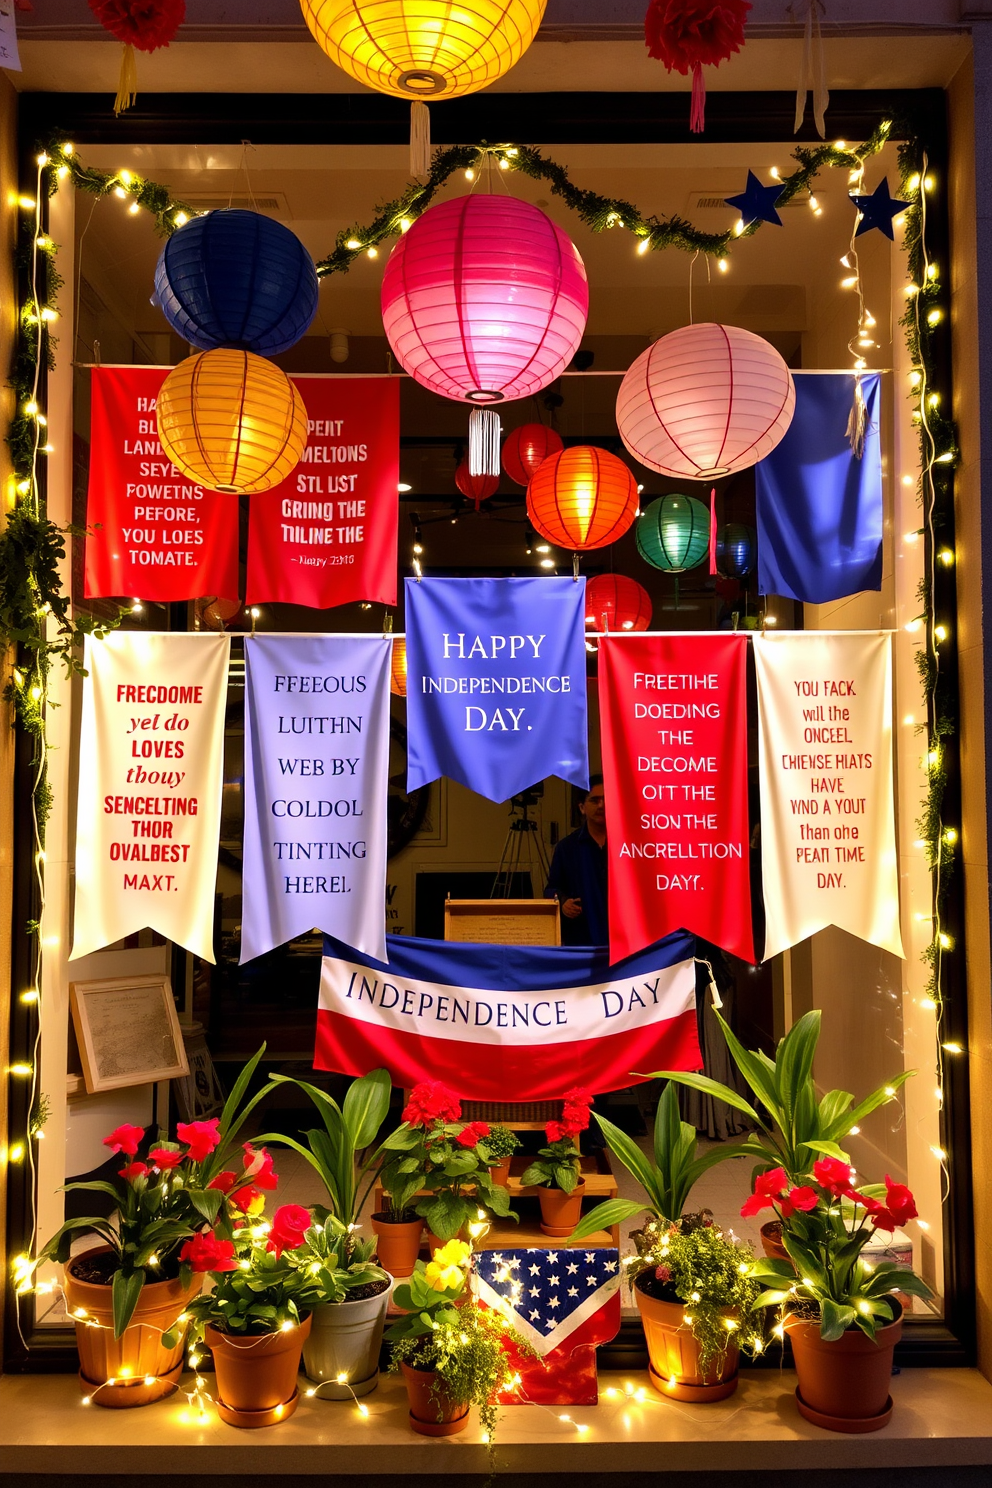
575,568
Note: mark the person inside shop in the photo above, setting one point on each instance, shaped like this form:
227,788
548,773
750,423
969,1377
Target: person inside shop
578,874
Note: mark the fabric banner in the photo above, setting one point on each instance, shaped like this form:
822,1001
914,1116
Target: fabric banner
496,683
151,769
327,534
316,768
673,715
828,847
819,505
496,1020
153,534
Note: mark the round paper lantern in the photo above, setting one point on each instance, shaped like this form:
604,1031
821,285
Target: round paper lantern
735,550
424,48
397,673
526,447
484,299
234,278
217,612
704,401
673,533
582,498
615,602
477,488
231,421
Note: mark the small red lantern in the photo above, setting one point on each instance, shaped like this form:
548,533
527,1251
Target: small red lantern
582,498
477,488
615,602
526,448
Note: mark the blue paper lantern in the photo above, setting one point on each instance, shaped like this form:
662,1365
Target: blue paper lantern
735,550
237,279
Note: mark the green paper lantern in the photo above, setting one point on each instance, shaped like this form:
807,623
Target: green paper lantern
673,533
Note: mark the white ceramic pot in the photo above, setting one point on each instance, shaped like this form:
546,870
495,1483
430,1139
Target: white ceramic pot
345,1338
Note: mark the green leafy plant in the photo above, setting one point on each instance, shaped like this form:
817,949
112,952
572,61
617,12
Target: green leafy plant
667,1180
557,1165
501,1142
337,1259
794,1127
826,1225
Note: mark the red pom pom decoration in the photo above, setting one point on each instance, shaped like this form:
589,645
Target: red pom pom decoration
689,34
145,24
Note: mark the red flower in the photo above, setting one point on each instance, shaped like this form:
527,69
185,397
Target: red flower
430,1102
767,1188
555,1131
134,1170
799,1198
248,1200
207,1252
472,1133
125,1139
224,1181
289,1224
146,24
899,1207
258,1167
165,1158
201,1137
685,34
662,1273
833,1175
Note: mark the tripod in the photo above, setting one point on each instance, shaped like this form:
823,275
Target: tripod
523,850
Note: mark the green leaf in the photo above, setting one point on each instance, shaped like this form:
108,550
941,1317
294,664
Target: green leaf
238,1090
627,1150
444,1214
401,1140
833,1119
125,1290
366,1106
758,1071
605,1216
877,1098
767,1268
206,1201
770,1298
794,1061
534,1176
565,1177
835,1320
829,1149
709,1087
95,1185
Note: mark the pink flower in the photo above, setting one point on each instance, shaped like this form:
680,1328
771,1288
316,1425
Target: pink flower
289,1224
662,1273
125,1139
207,1252
134,1170
165,1158
200,1136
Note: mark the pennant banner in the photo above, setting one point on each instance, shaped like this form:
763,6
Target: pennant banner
316,768
327,534
674,735
496,683
152,533
151,762
828,848
488,1020
819,505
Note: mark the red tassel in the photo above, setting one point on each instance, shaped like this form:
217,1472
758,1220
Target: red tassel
713,530
697,113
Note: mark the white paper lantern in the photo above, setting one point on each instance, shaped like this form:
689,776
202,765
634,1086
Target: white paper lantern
705,401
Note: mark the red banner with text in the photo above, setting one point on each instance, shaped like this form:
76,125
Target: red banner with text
153,534
674,735
327,534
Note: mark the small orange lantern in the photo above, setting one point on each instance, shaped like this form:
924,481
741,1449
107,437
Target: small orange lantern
397,675
582,498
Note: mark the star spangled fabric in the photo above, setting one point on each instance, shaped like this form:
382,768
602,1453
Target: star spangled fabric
549,1295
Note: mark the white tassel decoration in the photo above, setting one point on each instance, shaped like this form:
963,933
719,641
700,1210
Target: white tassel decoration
812,71
420,139
484,434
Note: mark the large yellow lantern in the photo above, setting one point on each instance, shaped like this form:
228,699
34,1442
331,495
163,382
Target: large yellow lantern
231,421
424,49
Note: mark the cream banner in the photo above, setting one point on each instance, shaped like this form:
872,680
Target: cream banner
828,850
151,759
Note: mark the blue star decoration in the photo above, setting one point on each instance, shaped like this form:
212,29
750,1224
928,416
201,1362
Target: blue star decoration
756,203
878,210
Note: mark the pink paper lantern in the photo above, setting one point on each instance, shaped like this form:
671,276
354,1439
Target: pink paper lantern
705,401
484,300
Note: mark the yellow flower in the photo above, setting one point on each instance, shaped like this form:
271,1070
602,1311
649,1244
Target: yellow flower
442,1278
455,1253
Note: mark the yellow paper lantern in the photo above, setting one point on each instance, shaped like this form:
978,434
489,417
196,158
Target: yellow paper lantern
424,48
231,421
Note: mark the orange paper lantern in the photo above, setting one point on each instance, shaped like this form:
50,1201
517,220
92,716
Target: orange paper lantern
582,498
231,421
526,448
615,602
397,674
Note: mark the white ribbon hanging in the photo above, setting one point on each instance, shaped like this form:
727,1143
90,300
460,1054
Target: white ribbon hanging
812,70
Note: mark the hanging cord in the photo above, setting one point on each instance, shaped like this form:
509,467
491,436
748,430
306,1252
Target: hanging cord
712,987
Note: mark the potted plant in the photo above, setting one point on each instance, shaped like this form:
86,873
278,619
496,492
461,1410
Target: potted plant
257,1316
128,1293
436,1151
555,1172
691,1282
841,1316
500,1145
341,1353
449,1350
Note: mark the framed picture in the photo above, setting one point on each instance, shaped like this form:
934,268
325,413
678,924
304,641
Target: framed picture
127,1031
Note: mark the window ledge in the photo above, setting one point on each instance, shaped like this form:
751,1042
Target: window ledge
942,1416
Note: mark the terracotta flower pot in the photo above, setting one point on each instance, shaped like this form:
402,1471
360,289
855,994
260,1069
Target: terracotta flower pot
432,1411
501,1174
771,1241
397,1245
345,1338
844,1385
256,1374
561,1212
674,1354
138,1355
435,1243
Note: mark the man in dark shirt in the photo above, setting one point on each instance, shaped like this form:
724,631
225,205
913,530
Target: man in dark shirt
578,875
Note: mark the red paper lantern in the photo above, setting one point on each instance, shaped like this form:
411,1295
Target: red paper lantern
582,498
691,34
477,488
615,602
526,447
397,669
484,300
